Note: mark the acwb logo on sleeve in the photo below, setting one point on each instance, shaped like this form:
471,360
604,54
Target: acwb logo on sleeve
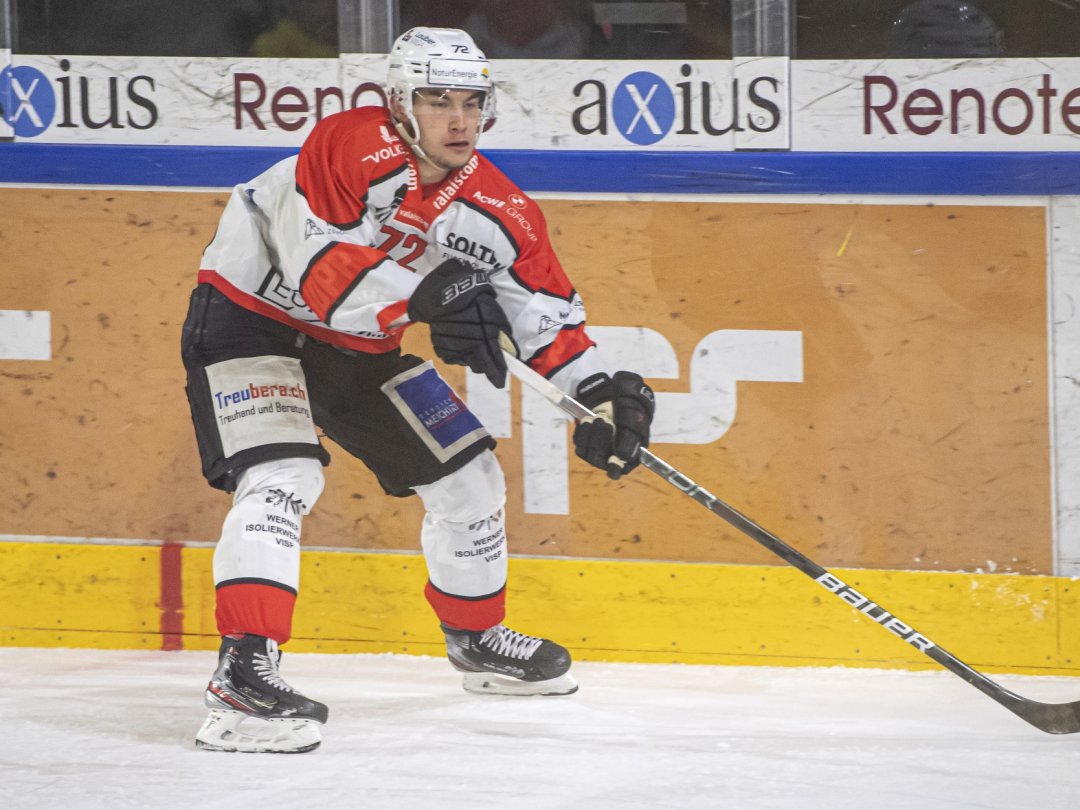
702,415
28,100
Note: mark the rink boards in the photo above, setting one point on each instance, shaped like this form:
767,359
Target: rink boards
868,378
161,597
869,381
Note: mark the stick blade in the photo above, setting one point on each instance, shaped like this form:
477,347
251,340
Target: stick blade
1053,718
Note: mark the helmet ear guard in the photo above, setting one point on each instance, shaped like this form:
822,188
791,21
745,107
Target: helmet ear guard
440,58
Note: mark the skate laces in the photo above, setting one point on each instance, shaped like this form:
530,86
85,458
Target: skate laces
504,641
266,666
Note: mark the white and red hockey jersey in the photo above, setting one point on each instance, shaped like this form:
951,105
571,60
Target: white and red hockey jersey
333,242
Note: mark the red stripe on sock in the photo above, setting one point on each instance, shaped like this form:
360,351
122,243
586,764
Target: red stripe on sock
467,614
171,597
261,610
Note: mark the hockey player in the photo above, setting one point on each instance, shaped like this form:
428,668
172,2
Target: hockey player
387,217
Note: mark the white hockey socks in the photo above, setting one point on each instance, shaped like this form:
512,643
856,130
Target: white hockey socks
257,560
464,543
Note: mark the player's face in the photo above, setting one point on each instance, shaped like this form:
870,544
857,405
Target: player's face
449,123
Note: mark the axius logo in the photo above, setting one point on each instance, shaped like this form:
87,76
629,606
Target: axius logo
29,102
643,108
646,108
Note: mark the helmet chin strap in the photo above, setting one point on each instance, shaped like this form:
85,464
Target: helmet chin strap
414,143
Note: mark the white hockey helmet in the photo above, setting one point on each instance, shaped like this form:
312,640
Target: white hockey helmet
443,58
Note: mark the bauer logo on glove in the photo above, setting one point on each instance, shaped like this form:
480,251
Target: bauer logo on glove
478,278
459,303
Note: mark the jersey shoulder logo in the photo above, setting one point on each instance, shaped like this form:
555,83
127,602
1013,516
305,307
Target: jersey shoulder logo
547,323
312,229
383,213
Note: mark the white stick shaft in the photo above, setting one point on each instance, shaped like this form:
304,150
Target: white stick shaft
547,389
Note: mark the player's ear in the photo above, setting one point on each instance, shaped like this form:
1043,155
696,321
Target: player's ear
397,109
400,115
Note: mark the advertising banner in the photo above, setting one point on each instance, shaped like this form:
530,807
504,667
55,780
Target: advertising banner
1030,105
275,102
717,106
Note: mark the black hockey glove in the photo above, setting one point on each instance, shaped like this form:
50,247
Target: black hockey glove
459,303
624,407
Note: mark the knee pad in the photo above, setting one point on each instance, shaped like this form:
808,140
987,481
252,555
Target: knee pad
295,484
463,535
260,539
476,491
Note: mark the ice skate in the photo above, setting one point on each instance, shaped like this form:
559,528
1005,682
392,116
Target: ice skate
252,709
501,661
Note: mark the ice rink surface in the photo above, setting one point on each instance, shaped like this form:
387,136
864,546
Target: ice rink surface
109,729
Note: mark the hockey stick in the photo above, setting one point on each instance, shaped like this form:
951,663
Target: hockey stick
1053,718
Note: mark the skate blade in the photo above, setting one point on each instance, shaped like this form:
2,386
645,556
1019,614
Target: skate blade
232,731
487,683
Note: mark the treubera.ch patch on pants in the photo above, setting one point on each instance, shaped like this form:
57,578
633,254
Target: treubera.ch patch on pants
260,400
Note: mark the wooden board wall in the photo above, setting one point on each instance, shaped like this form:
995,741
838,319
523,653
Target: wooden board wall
918,439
